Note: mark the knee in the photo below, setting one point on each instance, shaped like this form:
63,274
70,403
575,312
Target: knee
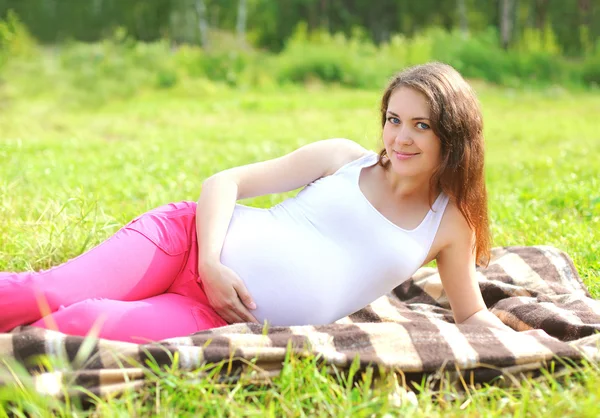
81,318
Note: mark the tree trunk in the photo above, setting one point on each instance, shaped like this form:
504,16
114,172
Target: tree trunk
240,26
202,25
506,22
462,17
97,7
585,7
541,11
516,26
324,15
313,16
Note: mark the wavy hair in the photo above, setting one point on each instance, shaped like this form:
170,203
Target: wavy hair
456,119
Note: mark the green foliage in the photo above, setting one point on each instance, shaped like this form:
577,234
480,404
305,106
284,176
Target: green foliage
590,73
224,65
481,57
166,78
120,66
115,67
574,24
538,41
474,57
329,58
357,62
15,40
240,67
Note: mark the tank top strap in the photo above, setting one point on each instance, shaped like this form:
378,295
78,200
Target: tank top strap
440,203
368,159
428,229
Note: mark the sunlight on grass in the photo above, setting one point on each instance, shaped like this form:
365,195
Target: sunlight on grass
71,176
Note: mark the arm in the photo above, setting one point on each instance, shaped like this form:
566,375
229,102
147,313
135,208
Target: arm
456,265
224,289
294,170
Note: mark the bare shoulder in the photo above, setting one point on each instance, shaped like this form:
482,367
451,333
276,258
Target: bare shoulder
344,151
293,170
454,228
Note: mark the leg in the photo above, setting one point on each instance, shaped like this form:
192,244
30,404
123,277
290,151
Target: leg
156,318
141,260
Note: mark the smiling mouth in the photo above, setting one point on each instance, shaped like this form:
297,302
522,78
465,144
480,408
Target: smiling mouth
404,155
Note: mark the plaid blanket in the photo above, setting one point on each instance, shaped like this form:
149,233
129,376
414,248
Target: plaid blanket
409,331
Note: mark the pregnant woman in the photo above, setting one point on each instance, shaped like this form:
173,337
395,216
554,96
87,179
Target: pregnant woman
364,223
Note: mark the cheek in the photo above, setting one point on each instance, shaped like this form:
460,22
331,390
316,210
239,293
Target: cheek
437,151
387,133
434,144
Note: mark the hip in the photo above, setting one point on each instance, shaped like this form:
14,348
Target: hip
171,227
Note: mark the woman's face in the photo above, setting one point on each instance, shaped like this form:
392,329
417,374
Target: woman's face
412,147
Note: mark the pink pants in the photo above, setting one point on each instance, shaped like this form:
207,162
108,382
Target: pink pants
139,285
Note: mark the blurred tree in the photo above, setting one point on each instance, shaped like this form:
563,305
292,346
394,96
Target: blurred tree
202,24
506,21
269,23
240,26
541,13
461,8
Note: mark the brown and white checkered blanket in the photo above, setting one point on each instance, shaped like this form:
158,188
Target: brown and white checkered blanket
410,331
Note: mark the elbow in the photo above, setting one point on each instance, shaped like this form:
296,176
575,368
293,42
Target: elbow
206,185
217,178
222,184
211,179
465,319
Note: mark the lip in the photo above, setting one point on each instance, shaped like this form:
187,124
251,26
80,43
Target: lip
404,155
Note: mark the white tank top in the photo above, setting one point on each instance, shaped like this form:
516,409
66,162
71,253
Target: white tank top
325,253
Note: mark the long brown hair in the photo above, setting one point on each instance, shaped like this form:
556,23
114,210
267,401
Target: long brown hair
456,119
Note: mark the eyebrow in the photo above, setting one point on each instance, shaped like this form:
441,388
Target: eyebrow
417,118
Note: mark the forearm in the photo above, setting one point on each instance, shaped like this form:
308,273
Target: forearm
486,318
213,215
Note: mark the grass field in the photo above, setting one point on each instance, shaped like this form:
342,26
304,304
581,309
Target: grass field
72,175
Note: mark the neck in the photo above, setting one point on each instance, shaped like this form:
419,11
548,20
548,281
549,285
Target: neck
404,188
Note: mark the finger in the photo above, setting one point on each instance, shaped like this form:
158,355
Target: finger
245,314
230,316
237,311
231,319
244,296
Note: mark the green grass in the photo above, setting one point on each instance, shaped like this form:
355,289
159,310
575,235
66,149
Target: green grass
71,175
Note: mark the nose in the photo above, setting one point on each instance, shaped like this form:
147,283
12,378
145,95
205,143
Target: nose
403,136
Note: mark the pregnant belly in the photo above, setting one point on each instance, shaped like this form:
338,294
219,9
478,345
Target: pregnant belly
293,274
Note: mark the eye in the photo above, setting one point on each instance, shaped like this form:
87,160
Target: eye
393,120
422,126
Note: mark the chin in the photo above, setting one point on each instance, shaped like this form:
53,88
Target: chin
404,172
408,169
